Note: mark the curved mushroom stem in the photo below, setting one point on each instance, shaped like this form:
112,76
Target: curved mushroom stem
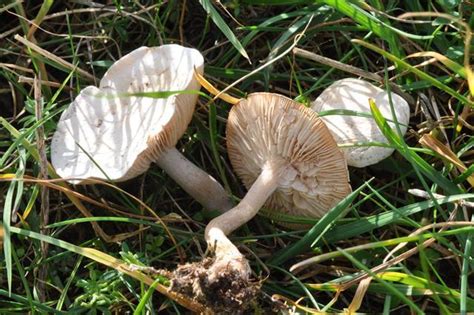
227,253
197,183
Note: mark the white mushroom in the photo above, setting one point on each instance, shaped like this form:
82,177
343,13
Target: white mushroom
288,160
107,134
354,94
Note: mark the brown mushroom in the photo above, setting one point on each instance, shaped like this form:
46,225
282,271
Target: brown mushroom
287,158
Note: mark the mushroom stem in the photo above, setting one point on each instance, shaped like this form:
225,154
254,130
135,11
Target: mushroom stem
197,183
248,207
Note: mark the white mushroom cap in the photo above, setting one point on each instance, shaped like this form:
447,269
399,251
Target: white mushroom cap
270,129
104,134
354,94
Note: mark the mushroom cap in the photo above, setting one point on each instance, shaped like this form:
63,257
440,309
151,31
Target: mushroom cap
271,127
108,135
354,94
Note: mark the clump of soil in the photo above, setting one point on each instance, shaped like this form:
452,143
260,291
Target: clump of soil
226,293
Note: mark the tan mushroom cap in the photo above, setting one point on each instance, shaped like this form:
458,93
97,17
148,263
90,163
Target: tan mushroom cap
353,94
104,131
270,127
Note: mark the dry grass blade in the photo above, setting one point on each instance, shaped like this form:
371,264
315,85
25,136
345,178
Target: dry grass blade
351,69
23,79
300,266
10,5
269,62
116,264
43,174
77,197
443,226
39,17
41,146
443,59
26,29
359,295
67,189
467,40
426,195
9,66
211,89
365,283
55,58
295,305
389,263
121,266
297,48
445,153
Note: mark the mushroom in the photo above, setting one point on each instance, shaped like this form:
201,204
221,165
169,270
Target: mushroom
111,133
354,94
285,155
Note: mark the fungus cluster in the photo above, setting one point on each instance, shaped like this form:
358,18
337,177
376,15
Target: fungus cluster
284,153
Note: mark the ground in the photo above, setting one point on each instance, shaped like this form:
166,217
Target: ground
89,248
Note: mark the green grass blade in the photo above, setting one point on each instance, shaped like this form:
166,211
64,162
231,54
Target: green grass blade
24,281
384,283
318,230
213,134
111,262
382,244
145,298
7,246
424,284
364,225
284,38
430,284
217,19
406,66
450,64
10,204
466,263
40,16
154,94
62,297
42,307
367,20
411,156
465,175
276,2
299,283
252,34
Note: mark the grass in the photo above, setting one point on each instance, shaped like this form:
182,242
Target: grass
403,245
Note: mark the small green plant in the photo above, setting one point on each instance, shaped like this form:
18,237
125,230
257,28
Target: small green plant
101,290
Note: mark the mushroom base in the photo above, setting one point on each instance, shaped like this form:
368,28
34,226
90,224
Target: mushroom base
215,284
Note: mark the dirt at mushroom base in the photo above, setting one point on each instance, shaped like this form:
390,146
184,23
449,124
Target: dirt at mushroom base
229,293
